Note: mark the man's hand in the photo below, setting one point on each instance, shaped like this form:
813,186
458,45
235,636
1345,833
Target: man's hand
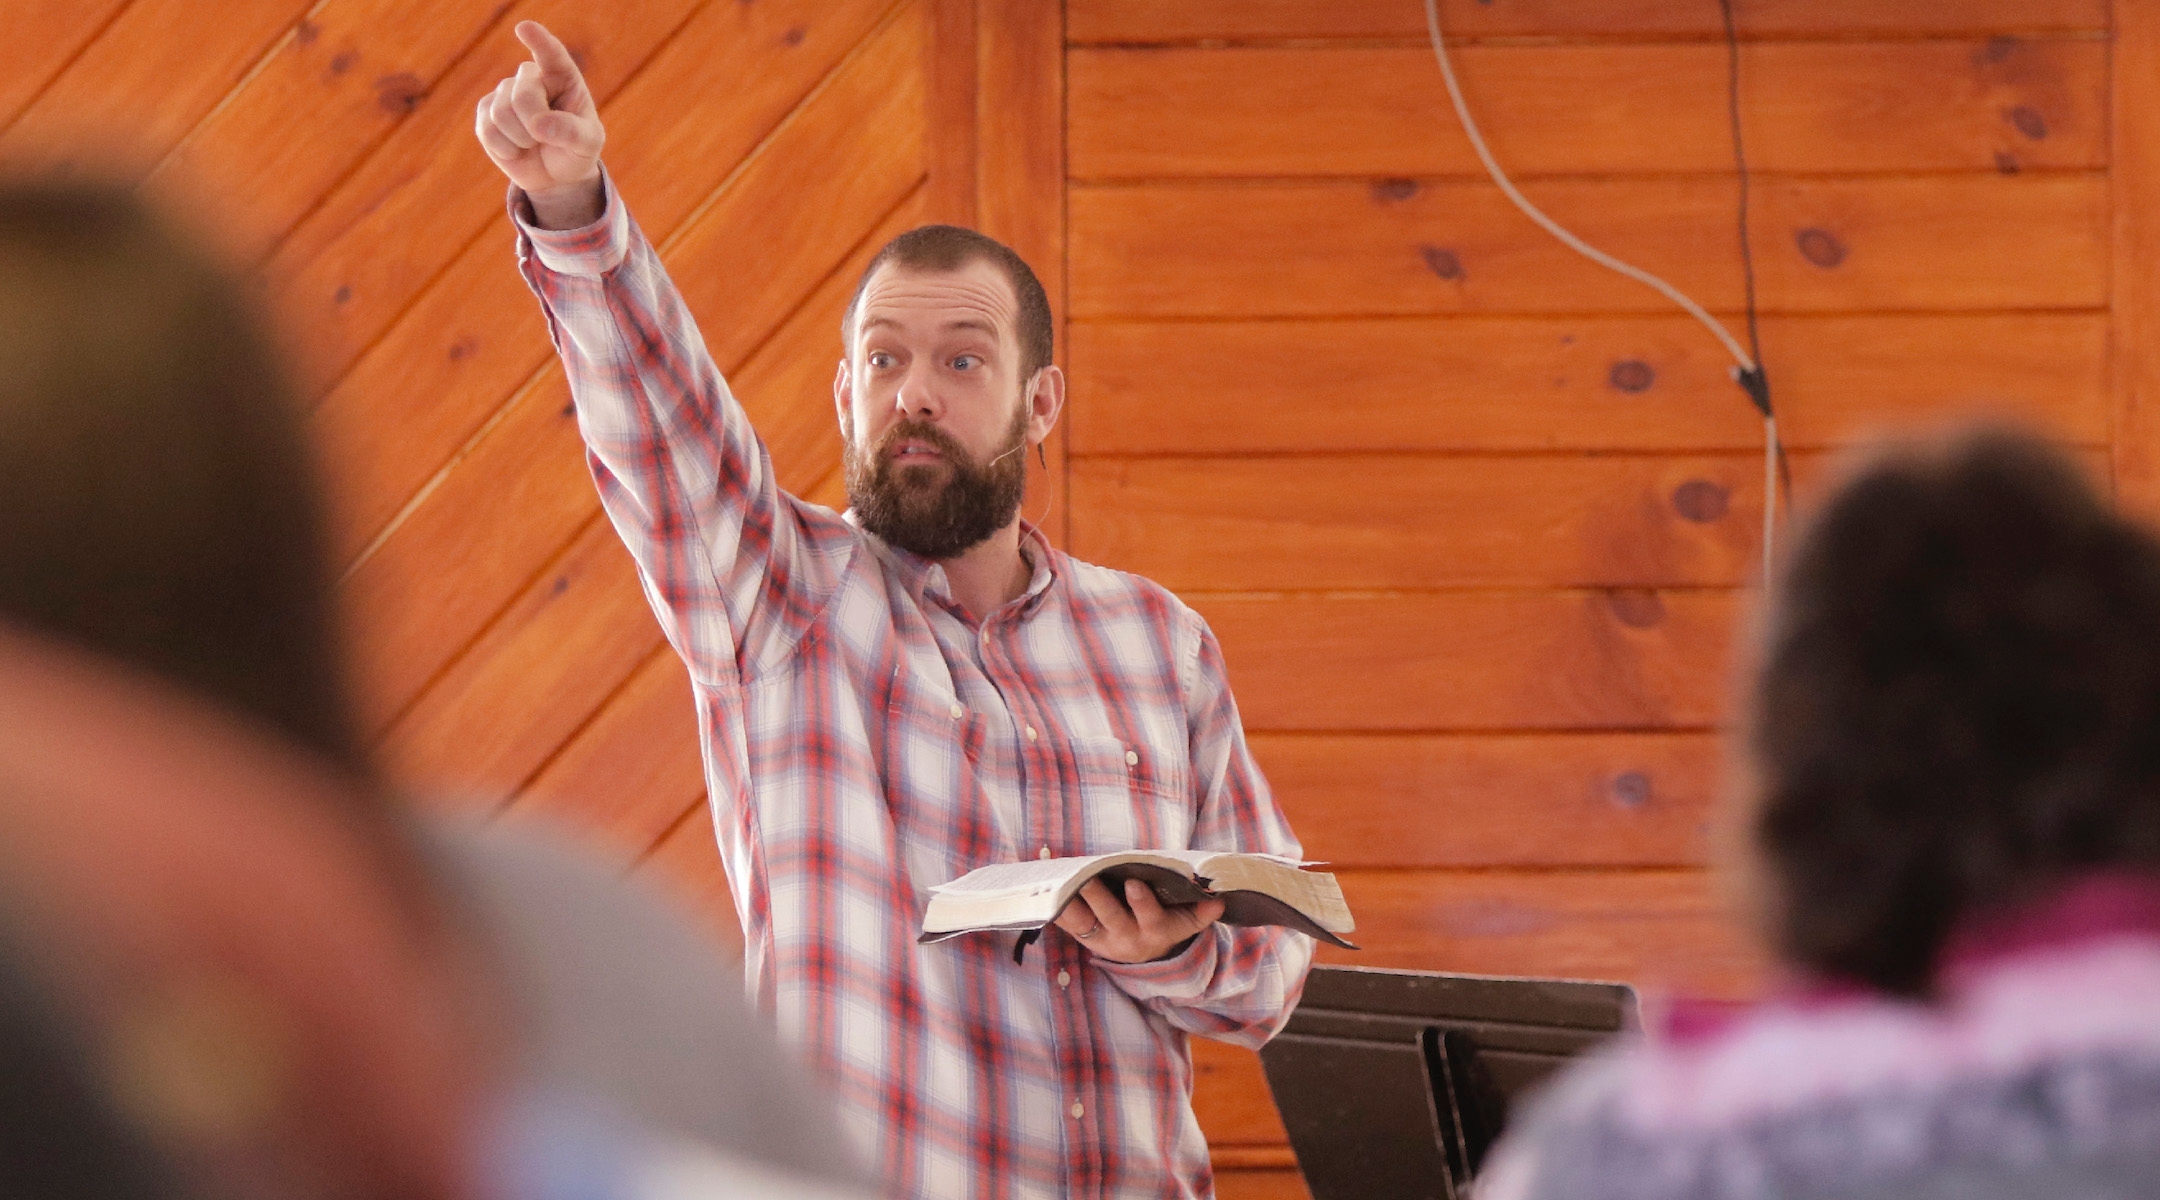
1138,930
541,127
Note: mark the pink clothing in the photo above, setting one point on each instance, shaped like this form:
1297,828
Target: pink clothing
865,740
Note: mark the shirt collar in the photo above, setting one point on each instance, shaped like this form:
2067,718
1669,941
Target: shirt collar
926,576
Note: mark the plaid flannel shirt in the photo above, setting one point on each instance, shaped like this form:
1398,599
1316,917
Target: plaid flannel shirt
864,741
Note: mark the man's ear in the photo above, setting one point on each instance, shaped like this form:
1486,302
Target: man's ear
840,391
1046,402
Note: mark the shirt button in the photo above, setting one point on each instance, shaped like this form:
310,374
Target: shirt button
1064,979
1078,1110
1132,758
1045,852
986,635
958,712
1032,735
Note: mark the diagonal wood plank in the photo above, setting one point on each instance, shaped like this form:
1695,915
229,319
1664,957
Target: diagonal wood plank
430,199
1588,110
561,648
44,37
375,88
475,334
1570,383
508,504
147,79
1309,249
627,777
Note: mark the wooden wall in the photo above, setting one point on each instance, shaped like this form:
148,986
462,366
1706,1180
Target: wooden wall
1477,521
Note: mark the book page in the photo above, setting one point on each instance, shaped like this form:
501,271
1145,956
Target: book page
1026,878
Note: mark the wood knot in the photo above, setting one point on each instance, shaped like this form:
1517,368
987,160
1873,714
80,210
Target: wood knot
463,348
1631,375
1821,247
1631,789
2006,162
2028,121
305,33
343,295
1441,262
795,35
343,61
1636,608
1701,501
1996,50
1394,191
399,94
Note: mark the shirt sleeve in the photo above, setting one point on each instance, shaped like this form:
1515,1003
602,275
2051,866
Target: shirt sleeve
1234,984
735,568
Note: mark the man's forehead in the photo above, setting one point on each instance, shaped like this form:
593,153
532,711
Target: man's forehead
974,293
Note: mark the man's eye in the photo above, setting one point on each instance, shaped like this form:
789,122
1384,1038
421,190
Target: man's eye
966,362
881,360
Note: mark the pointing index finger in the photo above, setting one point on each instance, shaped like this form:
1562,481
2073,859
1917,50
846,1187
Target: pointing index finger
558,70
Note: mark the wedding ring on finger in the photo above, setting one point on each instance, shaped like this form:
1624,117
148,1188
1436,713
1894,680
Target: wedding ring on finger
1090,933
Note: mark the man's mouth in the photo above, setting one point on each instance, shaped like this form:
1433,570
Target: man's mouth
913,451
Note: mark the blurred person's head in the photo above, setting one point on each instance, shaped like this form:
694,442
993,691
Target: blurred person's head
157,502
254,995
1958,708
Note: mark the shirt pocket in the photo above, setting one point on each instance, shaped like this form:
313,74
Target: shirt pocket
1131,796
928,765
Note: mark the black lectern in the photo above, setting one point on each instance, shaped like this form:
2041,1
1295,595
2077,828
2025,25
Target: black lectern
1393,1084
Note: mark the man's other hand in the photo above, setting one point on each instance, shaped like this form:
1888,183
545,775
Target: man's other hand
1137,929
541,127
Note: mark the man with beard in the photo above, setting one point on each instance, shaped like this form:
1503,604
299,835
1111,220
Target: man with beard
891,698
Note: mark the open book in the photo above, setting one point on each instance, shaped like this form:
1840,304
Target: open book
1256,889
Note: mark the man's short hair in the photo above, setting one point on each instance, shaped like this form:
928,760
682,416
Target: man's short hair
949,248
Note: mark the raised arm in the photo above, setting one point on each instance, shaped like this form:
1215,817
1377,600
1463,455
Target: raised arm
726,556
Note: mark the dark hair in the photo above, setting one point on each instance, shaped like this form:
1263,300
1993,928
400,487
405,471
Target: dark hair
157,502
1959,705
949,248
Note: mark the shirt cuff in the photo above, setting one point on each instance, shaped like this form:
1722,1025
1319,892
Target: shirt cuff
1178,980
593,249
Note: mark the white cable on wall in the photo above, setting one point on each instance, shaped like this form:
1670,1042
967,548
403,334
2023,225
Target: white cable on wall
1744,363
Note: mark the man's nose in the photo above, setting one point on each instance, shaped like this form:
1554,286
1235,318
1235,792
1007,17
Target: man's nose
917,396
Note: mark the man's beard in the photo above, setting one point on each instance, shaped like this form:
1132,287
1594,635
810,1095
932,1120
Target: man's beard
904,503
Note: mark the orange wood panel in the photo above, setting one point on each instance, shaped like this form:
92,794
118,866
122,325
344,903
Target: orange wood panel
1665,931
511,501
953,98
1308,249
1580,110
1415,521
44,36
481,535
476,335
1530,800
418,205
687,864
1230,1096
1194,20
524,686
626,777
1618,659
1263,1184
2136,104
1020,185
1549,383
145,80
359,70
